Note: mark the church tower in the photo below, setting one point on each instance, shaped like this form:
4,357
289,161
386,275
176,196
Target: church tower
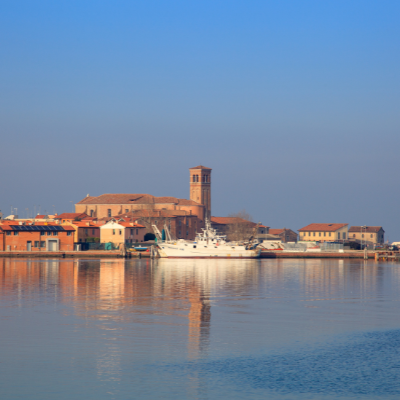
200,187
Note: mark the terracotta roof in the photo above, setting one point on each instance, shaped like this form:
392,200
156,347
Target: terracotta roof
82,224
275,231
135,214
71,216
280,231
118,198
229,220
129,225
323,227
368,229
263,226
200,167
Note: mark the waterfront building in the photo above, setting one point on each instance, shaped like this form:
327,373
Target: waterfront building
31,236
120,232
286,235
324,232
368,235
85,231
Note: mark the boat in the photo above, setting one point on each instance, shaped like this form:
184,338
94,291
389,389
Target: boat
207,244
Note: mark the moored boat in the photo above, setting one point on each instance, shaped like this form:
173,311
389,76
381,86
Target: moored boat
208,244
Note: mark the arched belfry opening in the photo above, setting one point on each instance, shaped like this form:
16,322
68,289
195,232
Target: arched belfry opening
200,187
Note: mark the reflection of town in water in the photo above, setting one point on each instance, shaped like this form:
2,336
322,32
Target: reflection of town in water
180,292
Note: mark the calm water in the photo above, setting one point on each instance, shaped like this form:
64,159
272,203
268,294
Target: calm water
202,329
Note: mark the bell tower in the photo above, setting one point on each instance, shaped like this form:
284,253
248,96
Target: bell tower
200,187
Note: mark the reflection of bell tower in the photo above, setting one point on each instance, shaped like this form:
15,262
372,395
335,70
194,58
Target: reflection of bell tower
200,187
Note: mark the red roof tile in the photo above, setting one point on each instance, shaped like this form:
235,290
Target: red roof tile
200,167
71,216
322,227
368,229
120,198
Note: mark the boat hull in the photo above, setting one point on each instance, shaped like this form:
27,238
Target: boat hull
187,251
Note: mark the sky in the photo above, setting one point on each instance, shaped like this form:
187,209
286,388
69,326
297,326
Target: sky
293,104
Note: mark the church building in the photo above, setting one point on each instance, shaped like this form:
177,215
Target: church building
183,217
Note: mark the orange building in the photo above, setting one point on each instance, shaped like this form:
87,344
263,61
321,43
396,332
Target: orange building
36,237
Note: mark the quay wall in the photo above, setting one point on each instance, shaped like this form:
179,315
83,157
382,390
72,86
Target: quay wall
322,254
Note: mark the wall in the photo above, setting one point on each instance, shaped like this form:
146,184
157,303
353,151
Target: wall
319,236
19,242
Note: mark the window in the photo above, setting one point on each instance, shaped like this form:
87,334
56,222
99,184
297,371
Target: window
137,231
8,233
354,235
362,235
324,233
42,244
91,213
320,234
180,222
344,235
126,210
69,233
120,232
314,233
16,233
187,233
155,222
55,233
93,232
42,233
86,232
48,233
179,233
338,235
372,235
329,234
113,231
109,212
132,231
36,243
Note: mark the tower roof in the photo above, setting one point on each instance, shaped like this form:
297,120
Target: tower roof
200,167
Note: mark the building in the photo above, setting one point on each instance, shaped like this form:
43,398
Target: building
286,235
200,188
180,224
121,232
236,228
369,235
36,237
324,232
184,217
86,231
70,217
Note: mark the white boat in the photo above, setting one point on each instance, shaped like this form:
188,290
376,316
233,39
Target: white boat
208,244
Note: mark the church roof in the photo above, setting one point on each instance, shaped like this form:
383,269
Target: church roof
119,198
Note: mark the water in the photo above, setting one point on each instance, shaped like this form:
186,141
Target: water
199,329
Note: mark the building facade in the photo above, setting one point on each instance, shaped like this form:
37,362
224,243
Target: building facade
324,232
200,187
36,237
286,235
369,235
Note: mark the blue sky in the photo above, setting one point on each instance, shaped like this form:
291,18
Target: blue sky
295,105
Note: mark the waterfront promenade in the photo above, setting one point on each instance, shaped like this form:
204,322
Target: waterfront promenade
352,254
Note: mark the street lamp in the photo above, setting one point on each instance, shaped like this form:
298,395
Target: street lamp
363,227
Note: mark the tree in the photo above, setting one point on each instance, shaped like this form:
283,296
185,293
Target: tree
240,227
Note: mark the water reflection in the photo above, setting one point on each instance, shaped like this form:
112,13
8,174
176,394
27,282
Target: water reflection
155,311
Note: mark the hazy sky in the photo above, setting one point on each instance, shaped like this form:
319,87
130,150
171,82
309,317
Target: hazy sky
293,104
